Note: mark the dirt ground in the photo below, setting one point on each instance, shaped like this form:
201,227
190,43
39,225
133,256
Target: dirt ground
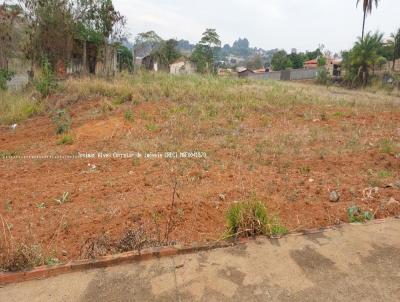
291,158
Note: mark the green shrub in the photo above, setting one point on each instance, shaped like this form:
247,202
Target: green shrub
5,76
62,121
250,218
122,98
355,214
46,83
323,77
66,140
129,116
387,146
152,127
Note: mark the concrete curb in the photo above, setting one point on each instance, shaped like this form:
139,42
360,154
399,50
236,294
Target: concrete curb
43,272
147,254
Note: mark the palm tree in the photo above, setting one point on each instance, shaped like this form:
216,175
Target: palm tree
361,59
367,7
396,46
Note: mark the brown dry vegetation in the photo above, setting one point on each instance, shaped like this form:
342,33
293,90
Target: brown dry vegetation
289,144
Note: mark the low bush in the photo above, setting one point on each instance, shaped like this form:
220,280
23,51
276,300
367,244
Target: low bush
136,240
355,214
99,246
62,121
129,116
323,77
21,257
122,98
5,76
46,84
66,140
388,146
250,218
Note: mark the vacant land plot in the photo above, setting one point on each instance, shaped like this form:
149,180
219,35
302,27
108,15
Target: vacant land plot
290,145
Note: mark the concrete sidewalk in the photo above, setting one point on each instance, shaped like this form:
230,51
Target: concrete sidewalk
353,263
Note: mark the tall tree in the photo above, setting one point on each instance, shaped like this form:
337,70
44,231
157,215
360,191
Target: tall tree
205,52
280,61
169,52
146,43
53,23
50,30
297,59
9,15
396,46
210,38
367,8
96,20
125,58
255,63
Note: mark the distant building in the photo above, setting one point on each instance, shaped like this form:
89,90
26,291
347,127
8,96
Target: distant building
225,72
182,66
258,71
138,61
332,65
245,73
88,57
150,63
241,68
311,64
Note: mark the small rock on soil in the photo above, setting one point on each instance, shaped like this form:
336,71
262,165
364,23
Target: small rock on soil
334,196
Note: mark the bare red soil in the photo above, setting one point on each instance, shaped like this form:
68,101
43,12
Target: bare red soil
119,194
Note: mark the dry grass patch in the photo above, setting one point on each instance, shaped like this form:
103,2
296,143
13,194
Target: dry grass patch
17,107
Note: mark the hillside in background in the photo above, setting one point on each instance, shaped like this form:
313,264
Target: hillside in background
239,53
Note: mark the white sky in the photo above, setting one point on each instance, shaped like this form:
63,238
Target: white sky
301,24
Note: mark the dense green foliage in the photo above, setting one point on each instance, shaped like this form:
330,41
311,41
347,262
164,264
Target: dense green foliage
321,61
297,59
396,46
53,24
359,61
167,52
281,61
46,83
5,76
125,58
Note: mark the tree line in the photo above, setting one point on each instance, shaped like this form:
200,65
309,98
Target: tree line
204,54
50,26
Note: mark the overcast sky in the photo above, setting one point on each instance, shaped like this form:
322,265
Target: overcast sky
301,24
